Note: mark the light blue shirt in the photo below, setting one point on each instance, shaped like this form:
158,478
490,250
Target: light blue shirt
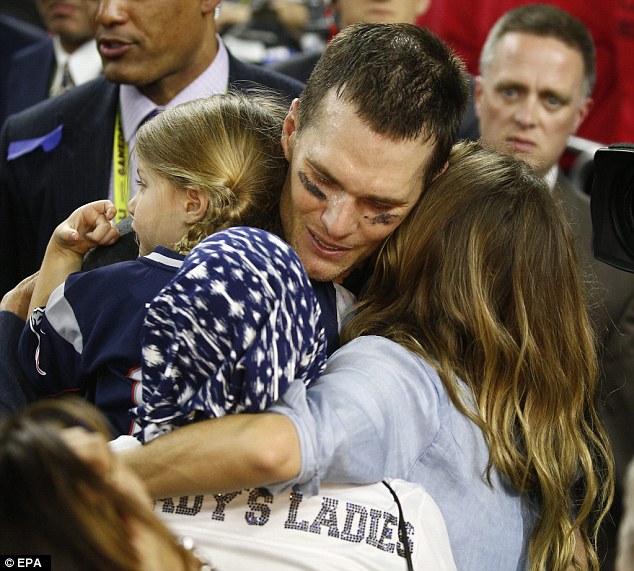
381,411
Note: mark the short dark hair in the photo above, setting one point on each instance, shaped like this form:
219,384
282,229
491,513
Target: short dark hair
546,21
404,81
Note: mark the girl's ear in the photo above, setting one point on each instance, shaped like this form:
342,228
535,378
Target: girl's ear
195,205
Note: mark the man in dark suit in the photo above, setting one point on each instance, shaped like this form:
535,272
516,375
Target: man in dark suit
348,12
64,58
537,72
23,10
59,154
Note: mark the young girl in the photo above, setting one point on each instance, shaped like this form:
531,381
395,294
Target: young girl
237,324
203,166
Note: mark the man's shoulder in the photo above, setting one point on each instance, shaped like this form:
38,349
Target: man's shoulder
566,184
16,33
576,202
93,94
245,76
83,104
299,66
41,48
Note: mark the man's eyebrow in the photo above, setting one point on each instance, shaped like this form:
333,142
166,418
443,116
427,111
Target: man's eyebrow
553,93
510,84
323,172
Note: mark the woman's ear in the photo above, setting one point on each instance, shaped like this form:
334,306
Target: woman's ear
196,205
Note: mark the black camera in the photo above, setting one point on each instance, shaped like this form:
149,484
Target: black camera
612,206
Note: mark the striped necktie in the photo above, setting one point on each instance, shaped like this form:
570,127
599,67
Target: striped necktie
67,81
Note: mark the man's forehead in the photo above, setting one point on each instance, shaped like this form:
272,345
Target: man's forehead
540,51
546,61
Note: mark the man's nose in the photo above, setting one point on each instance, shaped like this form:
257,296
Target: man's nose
340,216
111,12
526,112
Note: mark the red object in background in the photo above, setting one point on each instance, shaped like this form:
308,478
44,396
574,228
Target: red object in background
464,24
625,40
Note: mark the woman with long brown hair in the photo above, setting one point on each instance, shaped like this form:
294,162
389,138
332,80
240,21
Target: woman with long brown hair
482,282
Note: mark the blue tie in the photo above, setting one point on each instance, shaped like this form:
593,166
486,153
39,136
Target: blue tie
149,116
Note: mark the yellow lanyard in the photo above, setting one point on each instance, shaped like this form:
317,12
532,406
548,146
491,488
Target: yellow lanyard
121,167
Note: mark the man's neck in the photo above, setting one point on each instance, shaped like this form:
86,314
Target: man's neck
551,176
72,44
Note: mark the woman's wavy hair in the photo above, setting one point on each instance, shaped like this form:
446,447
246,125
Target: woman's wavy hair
482,280
228,147
53,502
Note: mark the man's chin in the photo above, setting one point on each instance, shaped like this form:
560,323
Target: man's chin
327,272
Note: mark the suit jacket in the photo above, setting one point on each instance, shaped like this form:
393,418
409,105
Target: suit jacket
299,66
42,185
612,311
14,36
29,77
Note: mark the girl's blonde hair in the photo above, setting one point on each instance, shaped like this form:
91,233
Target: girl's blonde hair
482,280
227,147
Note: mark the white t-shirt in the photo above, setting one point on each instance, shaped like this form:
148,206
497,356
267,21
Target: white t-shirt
342,528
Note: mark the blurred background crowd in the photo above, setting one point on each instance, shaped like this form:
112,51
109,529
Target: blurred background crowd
269,31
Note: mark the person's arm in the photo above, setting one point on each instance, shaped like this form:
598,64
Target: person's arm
18,299
88,226
218,455
15,391
346,428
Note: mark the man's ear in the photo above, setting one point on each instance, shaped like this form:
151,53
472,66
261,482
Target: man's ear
289,129
584,109
207,6
477,94
442,170
422,7
196,205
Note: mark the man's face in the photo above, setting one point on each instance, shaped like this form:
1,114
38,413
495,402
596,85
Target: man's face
377,11
530,99
72,20
347,187
158,45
